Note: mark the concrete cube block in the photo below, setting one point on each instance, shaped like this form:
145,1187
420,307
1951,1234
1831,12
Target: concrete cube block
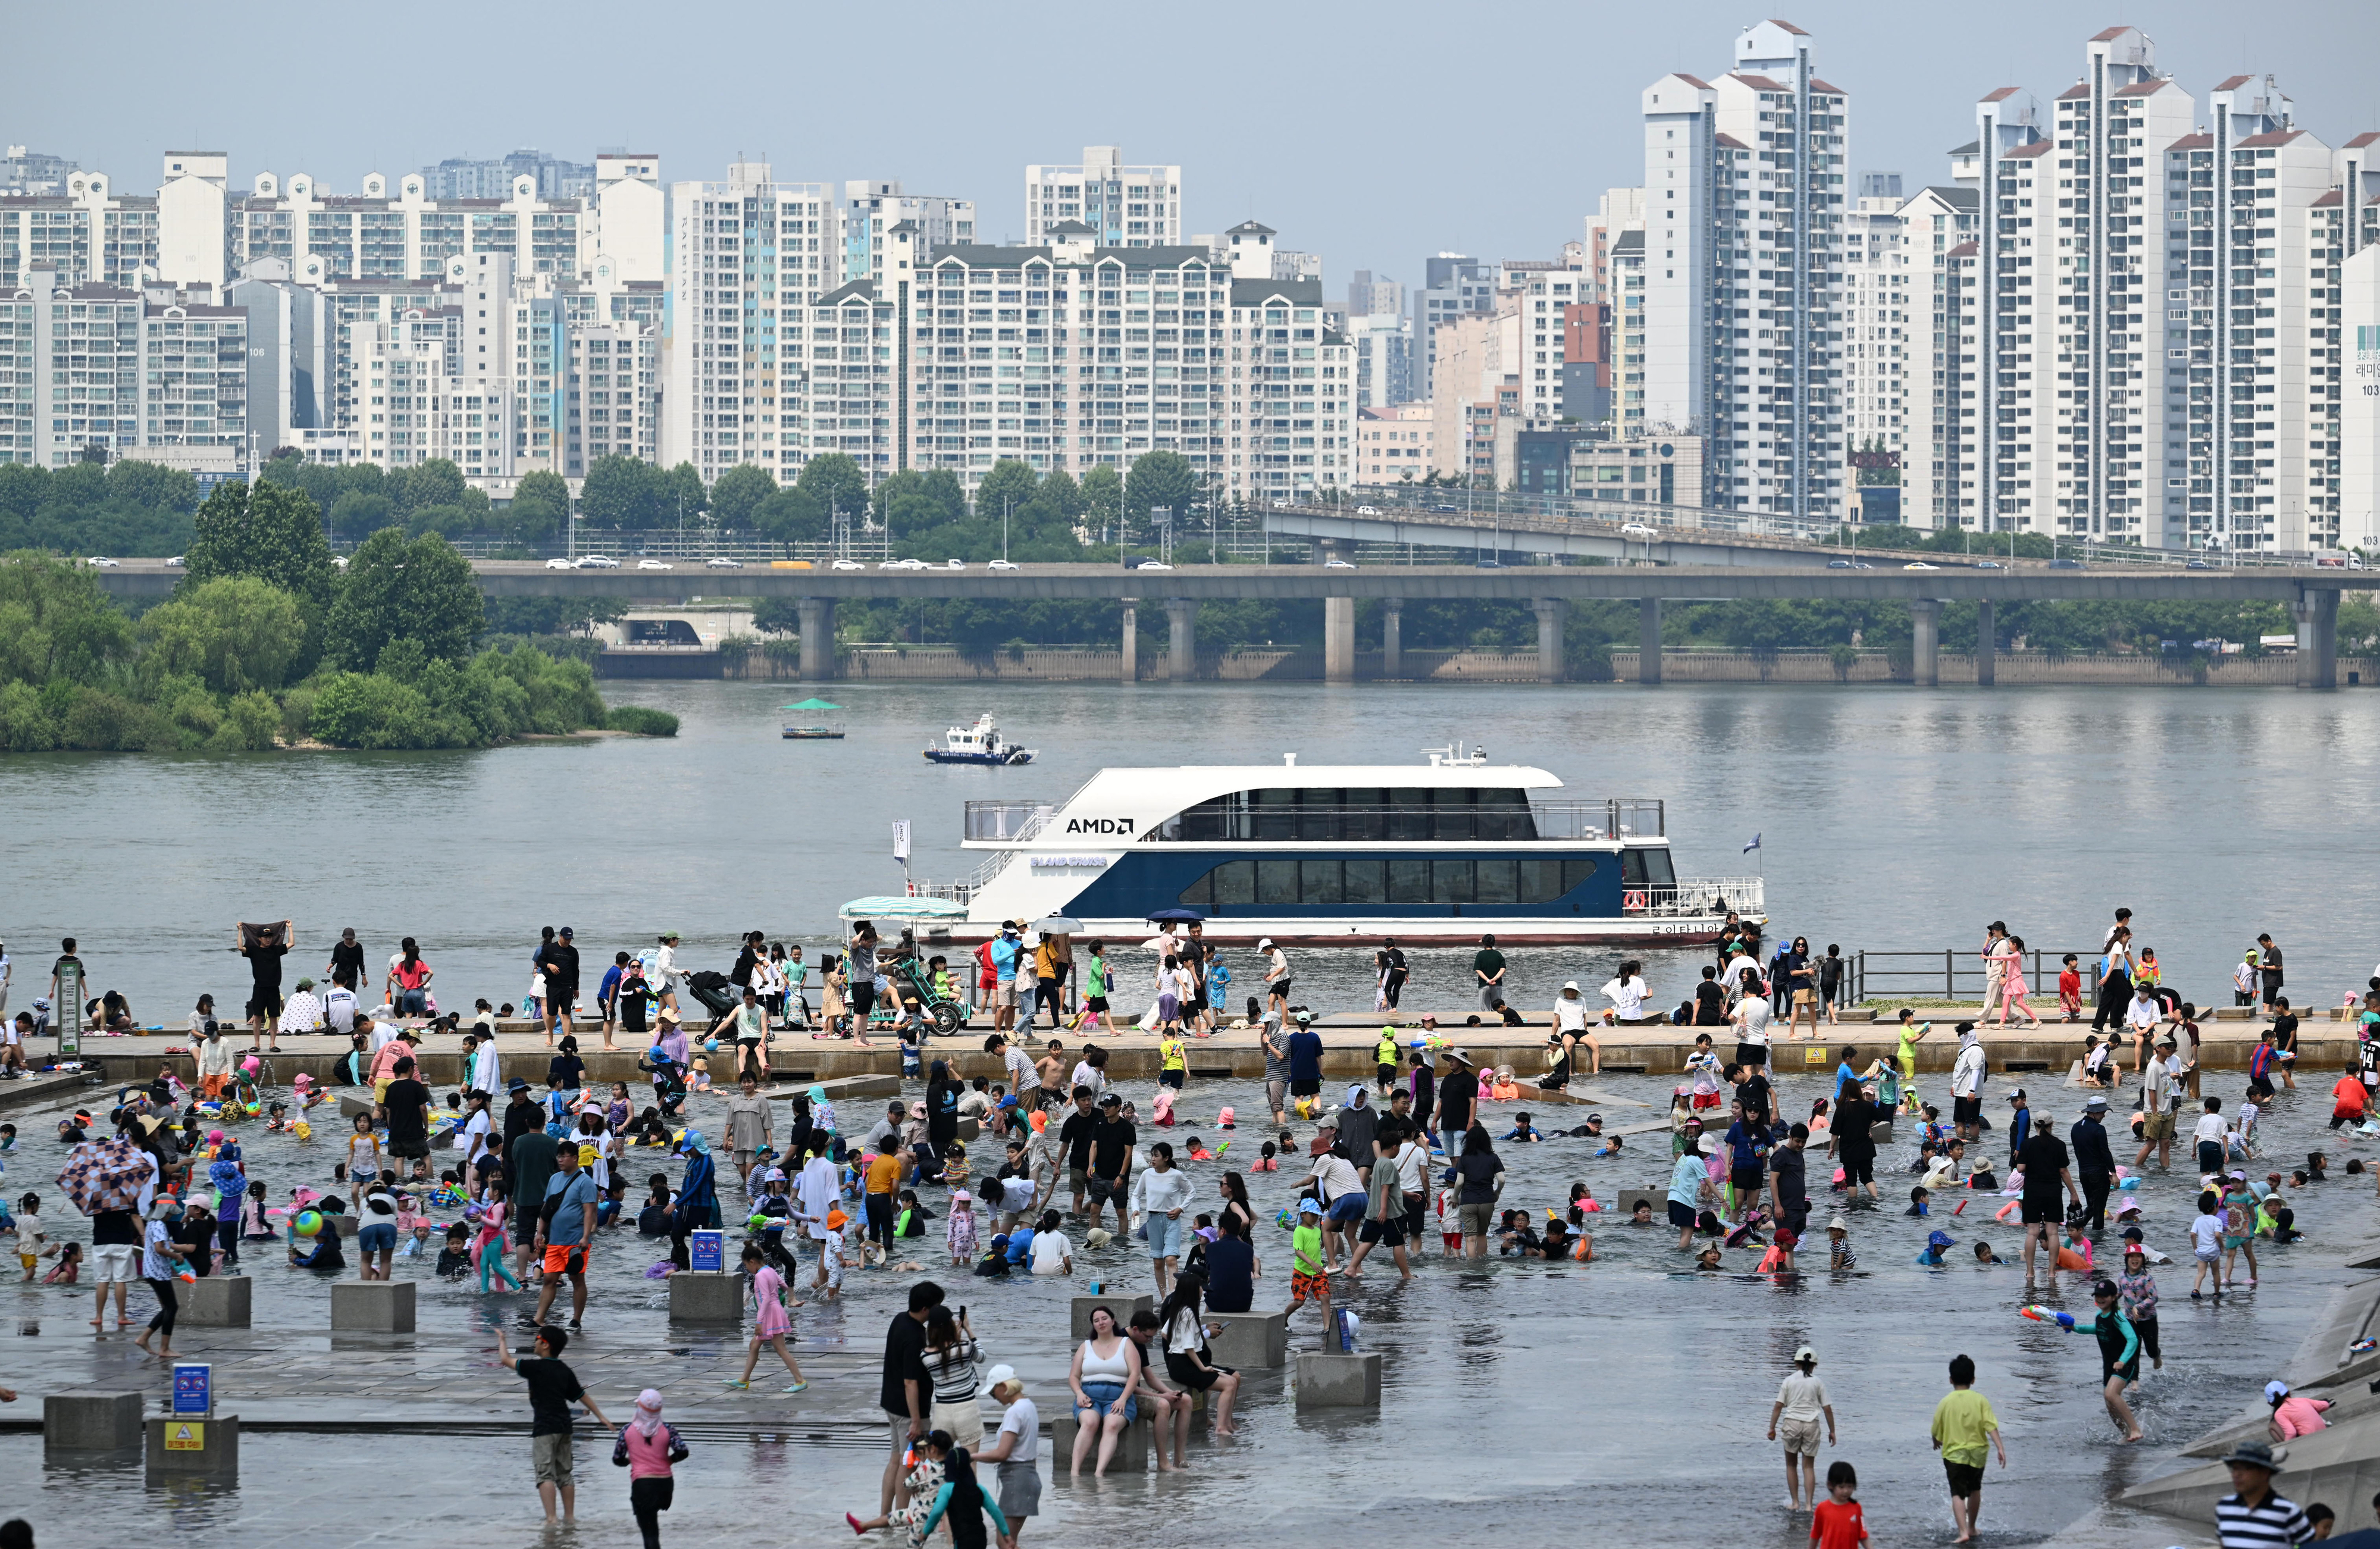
348,1225
186,1444
216,1301
372,1307
1626,1200
1249,1341
1131,1454
350,1106
1124,1307
85,1419
1880,1131
706,1297
1329,1380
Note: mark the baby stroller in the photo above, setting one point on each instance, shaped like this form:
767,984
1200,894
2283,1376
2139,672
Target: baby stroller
913,985
717,995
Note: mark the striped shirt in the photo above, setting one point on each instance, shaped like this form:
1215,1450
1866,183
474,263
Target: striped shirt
2277,1521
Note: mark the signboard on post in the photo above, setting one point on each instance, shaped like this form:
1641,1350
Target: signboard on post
706,1251
193,1388
69,1008
186,1435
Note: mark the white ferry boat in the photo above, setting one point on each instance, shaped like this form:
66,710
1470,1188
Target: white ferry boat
1434,854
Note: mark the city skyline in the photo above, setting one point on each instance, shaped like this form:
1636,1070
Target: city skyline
1568,108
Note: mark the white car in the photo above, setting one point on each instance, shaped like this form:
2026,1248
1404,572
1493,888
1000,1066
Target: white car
560,565
1156,565
1638,530
721,562
98,563
849,565
955,564
1328,565
1284,505
597,561
1368,510
173,562
1000,565
654,565
1920,565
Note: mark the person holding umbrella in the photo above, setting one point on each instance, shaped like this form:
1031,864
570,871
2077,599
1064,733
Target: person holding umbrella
110,1181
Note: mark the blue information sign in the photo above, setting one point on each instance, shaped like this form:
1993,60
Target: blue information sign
707,1251
193,1388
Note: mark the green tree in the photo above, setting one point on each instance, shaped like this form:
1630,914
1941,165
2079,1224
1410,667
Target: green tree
1008,483
447,521
358,512
737,497
942,487
235,633
266,531
1061,495
792,515
420,590
836,484
56,625
540,508
681,496
436,482
620,492
1160,479
1103,497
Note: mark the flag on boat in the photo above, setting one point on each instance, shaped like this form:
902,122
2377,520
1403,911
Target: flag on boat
1754,846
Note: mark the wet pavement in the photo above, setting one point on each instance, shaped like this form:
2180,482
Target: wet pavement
1516,1394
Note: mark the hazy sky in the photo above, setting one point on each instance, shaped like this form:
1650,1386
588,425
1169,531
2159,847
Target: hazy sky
1374,134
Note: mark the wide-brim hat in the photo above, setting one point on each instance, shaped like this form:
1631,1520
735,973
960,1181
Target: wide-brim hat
2256,1454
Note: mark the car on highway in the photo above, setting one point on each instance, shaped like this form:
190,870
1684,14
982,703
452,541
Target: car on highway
96,563
2066,564
903,564
1154,565
1283,504
560,565
1000,565
1639,530
1989,565
597,561
1338,563
1446,505
1920,565
174,562
1848,564
2198,565
721,562
849,565
1368,510
655,565
953,564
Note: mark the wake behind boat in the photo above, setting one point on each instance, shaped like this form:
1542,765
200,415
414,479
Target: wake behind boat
979,743
1433,855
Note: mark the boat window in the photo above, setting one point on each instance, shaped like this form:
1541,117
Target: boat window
1647,868
1325,815
1393,880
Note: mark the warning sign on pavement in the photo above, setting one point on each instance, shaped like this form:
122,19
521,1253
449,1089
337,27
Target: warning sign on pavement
186,1435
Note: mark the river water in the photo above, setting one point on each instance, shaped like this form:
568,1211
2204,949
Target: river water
1890,818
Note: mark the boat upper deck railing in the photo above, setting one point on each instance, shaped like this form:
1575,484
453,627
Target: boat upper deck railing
1012,821
1392,822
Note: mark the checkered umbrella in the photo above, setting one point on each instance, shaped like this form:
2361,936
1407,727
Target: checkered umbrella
106,1174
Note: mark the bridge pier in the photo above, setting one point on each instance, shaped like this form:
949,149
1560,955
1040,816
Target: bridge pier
1392,624
1987,648
1181,644
1926,644
818,639
1549,638
1648,640
2317,616
1338,639
1131,673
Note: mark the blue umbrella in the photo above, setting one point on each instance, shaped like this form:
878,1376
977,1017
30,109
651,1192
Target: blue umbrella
1158,916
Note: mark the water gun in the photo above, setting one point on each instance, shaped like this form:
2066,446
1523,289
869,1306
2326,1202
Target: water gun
2041,1315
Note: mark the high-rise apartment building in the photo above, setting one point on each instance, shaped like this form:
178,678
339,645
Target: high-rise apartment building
1940,485
869,209
1124,206
24,171
1074,356
1880,301
1453,285
462,178
1382,343
84,233
1744,224
130,372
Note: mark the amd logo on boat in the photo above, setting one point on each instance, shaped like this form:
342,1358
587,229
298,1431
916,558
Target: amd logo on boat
1099,825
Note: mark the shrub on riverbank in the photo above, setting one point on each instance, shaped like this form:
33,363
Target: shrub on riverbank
642,721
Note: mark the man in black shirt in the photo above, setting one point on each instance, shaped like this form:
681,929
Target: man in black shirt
1852,1140
1710,1001
406,1106
264,947
523,1113
2045,1160
1389,969
2095,1162
1788,1194
1112,1143
1458,1093
529,1167
552,1388
908,1388
1075,1139
347,968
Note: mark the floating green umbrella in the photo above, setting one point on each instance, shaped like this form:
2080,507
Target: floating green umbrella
810,704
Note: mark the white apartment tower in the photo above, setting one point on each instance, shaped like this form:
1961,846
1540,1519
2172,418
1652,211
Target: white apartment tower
1743,216
135,373
1124,206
